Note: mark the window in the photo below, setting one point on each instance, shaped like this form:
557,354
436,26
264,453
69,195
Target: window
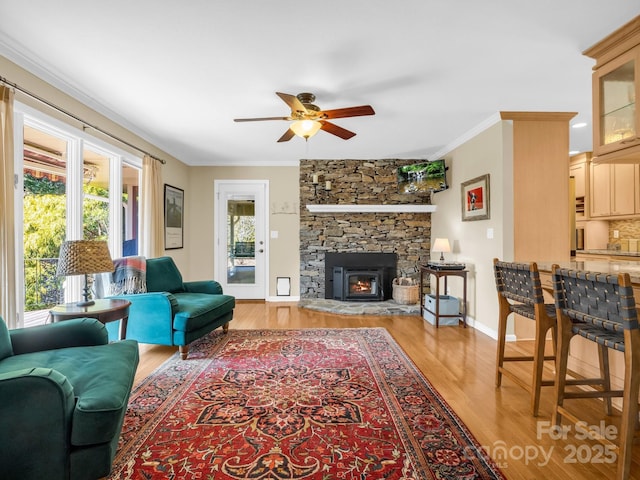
73,186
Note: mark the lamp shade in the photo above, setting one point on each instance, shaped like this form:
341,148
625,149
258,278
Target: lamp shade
441,245
82,257
305,128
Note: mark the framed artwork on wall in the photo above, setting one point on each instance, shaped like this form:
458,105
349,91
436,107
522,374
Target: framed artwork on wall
173,217
475,199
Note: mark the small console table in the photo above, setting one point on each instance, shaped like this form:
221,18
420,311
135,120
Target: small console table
443,272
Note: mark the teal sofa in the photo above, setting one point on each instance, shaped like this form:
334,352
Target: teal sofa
173,312
64,391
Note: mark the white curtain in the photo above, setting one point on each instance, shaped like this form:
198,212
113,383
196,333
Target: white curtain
8,288
151,208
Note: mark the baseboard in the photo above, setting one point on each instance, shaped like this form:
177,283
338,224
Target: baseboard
489,332
287,298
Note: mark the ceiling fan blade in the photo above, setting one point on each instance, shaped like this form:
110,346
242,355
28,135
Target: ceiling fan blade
294,104
348,112
288,135
260,119
336,130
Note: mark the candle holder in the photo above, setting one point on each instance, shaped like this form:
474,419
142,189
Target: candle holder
319,192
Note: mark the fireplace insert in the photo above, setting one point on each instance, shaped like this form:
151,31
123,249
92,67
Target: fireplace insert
356,284
359,277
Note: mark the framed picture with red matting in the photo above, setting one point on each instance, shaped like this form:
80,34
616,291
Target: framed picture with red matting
475,199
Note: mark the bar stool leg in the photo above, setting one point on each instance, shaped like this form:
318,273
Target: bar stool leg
603,356
538,364
562,356
629,418
503,314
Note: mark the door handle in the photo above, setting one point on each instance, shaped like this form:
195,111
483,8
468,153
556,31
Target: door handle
261,250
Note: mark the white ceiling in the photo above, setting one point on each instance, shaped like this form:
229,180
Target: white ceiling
435,71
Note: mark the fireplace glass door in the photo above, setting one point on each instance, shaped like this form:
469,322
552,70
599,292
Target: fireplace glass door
358,284
362,284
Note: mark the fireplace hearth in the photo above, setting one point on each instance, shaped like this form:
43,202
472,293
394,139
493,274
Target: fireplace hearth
359,277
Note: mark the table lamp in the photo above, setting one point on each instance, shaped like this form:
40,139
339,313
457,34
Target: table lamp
441,245
83,257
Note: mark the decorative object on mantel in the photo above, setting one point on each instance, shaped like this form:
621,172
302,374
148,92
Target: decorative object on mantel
351,208
406,290
441,245
475,199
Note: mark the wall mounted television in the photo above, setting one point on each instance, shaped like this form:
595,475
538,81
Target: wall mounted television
428,177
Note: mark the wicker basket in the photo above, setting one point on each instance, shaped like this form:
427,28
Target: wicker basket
405,291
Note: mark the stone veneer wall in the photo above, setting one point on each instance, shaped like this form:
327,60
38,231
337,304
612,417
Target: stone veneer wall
358,182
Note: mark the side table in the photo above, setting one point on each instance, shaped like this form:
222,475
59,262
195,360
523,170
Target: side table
104,310
442,272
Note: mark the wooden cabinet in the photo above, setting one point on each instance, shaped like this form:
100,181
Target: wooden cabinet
613,190
600,190
579,170
616,86
541,229
624,180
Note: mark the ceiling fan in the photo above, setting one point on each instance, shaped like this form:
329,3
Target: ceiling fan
308,119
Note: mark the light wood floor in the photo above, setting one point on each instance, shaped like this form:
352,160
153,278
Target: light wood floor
460,363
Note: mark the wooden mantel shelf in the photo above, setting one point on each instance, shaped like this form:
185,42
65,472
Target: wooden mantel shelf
405,208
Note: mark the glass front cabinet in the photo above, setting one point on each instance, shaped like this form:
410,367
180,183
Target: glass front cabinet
616,86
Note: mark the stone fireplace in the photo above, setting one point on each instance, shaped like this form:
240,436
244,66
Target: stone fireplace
404,235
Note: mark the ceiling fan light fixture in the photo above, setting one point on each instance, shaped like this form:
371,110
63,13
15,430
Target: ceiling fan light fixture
305,128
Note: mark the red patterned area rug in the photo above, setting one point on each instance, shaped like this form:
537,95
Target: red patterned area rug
295,404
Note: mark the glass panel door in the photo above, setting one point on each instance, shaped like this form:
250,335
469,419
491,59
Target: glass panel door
44,220
617,94
241,232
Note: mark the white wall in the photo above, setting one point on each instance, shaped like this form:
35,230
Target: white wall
489,152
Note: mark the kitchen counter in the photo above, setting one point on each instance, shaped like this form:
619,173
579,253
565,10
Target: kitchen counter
609,267
612,253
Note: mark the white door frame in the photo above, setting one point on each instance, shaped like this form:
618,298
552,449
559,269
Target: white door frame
261,289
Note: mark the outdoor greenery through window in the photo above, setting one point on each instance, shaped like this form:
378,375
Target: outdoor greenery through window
45,230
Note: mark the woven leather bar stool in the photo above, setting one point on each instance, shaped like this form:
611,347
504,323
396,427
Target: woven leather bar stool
600,308
520,291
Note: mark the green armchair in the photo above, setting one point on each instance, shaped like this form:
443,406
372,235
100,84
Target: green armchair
172,311
64,391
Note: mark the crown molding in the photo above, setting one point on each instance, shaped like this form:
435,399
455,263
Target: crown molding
465,137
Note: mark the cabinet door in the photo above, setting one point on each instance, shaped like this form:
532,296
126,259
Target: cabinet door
623,184
615,87
578,171
600,198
